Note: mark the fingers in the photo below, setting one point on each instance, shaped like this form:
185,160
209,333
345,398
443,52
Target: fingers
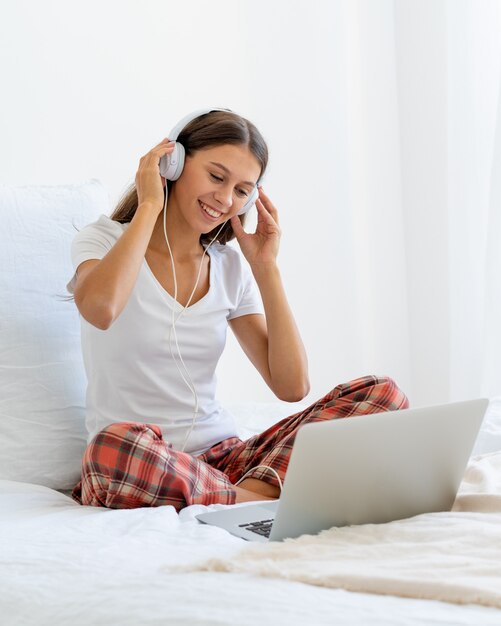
163,143
266,209
151,160
164,147
238,229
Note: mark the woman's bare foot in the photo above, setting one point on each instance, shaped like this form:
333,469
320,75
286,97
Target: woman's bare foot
248,496
254,489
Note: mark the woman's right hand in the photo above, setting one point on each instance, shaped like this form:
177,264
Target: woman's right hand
149,184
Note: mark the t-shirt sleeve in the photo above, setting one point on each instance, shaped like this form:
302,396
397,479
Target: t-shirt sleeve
93,241
250,299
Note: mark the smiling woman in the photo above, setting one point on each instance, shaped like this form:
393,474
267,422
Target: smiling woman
157,278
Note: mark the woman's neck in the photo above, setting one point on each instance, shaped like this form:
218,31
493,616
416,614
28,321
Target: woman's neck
185,245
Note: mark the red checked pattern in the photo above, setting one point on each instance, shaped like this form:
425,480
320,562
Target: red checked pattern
129,465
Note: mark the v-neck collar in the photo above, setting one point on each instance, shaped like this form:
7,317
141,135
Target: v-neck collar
166,295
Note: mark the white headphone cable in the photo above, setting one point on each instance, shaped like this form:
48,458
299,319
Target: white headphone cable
189,383
175,289
173,328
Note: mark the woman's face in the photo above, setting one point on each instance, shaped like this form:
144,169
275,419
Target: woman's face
215,184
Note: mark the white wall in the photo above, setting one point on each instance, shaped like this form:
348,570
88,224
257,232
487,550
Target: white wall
334,86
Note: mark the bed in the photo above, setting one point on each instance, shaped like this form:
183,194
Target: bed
62,563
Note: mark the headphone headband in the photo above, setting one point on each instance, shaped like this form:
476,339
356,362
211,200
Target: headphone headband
175,132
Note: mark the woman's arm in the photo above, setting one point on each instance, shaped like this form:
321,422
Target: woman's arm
273,344
103,287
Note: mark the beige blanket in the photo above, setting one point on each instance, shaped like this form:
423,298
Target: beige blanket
453,557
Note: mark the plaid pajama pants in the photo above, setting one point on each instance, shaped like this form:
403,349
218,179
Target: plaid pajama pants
129,465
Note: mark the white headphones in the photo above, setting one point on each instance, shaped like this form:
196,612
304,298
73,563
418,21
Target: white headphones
171,165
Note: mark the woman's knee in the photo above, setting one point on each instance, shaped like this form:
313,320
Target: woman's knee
391,396
121,436
116,459
381,392
126,430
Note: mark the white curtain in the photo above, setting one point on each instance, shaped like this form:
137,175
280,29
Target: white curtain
423,90
474,196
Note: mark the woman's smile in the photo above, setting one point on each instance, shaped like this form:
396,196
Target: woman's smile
209,212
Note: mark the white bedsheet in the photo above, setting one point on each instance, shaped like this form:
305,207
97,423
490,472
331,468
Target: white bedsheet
62,563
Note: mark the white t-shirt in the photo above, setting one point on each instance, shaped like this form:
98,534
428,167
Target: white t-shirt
130,371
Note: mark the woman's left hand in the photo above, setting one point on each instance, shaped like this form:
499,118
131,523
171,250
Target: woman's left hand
261,247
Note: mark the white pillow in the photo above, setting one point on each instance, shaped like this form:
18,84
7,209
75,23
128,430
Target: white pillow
42,380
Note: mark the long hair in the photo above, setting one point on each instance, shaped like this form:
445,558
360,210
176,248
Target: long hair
208,130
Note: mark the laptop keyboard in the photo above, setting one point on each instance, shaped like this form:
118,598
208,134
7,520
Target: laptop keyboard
263,527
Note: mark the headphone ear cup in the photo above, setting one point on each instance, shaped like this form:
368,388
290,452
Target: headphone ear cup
250,201
171,165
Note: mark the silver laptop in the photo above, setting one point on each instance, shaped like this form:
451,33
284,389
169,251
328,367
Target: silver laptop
364,469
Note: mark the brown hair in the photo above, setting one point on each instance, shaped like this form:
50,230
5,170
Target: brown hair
207,130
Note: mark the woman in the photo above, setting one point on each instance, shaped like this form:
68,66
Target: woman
156,288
